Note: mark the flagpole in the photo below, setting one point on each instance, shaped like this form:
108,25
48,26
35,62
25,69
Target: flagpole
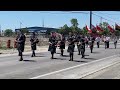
0,30
90,19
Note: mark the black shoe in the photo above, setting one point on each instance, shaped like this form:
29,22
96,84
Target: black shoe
51,58
32,56
78,53
70,60
21,60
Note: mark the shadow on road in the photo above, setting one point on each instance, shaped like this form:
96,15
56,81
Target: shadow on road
86,55
80,61
90,58
95,52
39,56
59,58
65,56
29,60
57,53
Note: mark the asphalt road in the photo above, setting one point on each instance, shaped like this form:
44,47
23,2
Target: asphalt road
11,68
112,72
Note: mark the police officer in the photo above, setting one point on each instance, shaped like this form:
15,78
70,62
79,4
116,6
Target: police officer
20,44
62,44
34,40
52,44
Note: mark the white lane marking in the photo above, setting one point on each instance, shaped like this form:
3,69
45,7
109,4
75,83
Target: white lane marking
54,72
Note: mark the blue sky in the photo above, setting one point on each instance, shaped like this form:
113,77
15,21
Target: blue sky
12,19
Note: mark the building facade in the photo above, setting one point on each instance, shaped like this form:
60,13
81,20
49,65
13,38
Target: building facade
39,30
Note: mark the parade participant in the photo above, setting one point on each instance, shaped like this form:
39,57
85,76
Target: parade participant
98,41
115,42
34,40
52,44
107,41
78,39
20,44
91,43
104,39
71,48
86,40
62,44
82,47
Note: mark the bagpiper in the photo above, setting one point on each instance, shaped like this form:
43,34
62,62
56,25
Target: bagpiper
62,44
52,44
34,40
20,44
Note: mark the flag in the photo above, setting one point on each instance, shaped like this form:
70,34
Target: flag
99,28
93,27
110,28
117,27
88,29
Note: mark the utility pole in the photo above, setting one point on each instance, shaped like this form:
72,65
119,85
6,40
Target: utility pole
90,19
0,31
43,22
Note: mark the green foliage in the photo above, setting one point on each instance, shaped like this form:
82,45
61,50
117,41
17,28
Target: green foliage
8,32
74,22
25,30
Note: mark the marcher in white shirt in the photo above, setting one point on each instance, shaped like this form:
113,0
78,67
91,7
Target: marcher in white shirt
107,41
115,41
98,41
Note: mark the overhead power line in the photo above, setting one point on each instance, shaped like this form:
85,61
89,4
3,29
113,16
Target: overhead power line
104,18
108,16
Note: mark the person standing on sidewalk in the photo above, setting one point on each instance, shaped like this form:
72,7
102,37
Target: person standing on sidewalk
34,40
20,44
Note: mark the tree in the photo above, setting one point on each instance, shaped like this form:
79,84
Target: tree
8,32
25,30
75,24
64,30
104,27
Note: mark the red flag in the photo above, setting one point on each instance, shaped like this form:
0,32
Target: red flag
93,27
117,27
88,29
99,28
110,28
